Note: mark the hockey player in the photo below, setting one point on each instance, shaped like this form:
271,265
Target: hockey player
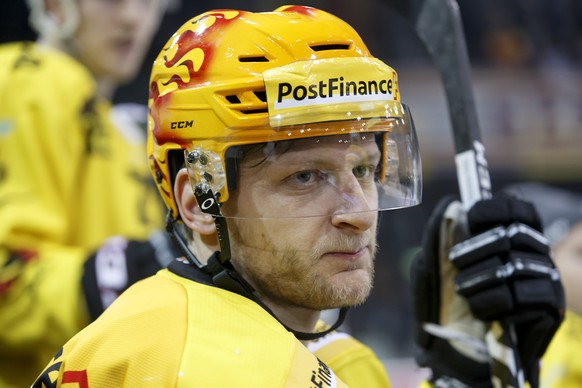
275,139
71,177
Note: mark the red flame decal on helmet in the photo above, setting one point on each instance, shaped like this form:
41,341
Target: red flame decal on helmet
197,38
154,91
187,57
300,9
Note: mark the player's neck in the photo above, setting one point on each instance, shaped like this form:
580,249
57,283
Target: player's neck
105,88
296,318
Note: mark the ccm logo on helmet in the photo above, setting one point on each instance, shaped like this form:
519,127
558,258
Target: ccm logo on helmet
334,87
181,124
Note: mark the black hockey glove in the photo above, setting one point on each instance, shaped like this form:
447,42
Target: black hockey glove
482,277
119,263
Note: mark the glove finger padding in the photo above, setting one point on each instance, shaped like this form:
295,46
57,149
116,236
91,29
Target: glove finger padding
450,339
506,274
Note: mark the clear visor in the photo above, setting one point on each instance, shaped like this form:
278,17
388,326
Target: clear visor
364,165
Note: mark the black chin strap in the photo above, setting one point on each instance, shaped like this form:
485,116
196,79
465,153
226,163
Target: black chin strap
226,277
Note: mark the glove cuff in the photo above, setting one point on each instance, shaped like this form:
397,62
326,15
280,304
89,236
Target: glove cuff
451,369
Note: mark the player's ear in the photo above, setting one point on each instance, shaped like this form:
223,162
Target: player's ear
190,212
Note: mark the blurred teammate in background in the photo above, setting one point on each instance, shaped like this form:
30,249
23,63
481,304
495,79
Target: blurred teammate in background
561,214
80,219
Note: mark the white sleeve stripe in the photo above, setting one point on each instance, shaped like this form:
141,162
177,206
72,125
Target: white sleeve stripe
314,346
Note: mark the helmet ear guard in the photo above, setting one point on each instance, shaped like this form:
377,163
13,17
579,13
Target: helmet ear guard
206,172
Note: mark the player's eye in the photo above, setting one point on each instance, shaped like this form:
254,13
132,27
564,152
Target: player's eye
306,177
363,171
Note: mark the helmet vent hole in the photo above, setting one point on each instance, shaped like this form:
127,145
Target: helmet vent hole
258,58
233,99
248,102
327,47
254,111
261,95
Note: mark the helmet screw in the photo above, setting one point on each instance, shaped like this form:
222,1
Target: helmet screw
201,188
192,157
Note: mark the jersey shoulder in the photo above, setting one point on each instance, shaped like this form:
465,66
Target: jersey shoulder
138,338
561,366
173,332
354,362
31,71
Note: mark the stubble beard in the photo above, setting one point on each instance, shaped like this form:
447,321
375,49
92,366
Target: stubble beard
291,277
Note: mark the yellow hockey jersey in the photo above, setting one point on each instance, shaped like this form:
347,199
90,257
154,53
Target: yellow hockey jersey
561,365
69,178
176,330
355,363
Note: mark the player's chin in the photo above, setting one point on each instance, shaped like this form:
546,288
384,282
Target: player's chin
354,275
352,288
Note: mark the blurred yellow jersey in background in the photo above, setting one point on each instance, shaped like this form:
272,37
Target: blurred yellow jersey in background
69,178
561,364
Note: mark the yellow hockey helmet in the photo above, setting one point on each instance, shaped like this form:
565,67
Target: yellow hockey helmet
228,78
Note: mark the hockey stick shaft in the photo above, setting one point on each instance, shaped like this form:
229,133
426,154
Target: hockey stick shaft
438,24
